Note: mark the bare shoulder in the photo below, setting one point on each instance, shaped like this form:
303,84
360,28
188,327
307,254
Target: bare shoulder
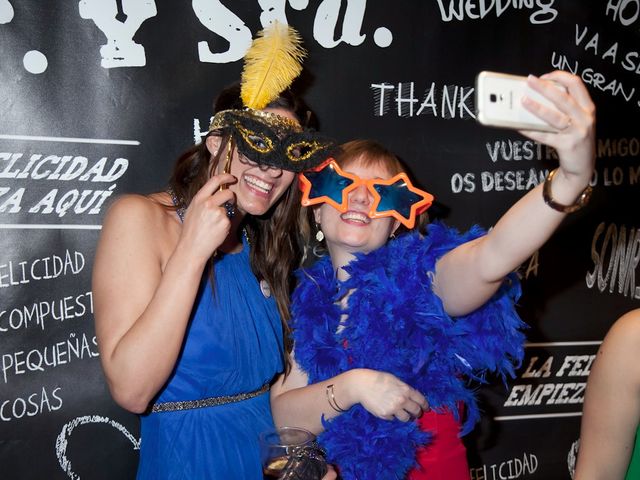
627,325
133,208
632,315
142,224
624,335
141,215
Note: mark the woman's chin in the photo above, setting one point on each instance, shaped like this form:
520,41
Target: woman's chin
352,244
254,210
254,206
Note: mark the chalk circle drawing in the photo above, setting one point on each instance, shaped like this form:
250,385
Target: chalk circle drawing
6,12
63,439
35,62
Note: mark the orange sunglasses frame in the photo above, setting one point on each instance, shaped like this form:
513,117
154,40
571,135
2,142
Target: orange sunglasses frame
416,209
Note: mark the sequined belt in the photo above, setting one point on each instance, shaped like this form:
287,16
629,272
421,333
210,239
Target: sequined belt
207,402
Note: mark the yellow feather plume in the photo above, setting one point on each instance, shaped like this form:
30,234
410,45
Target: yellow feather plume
271,64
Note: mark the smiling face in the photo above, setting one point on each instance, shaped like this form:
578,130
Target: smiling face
258,187
353,231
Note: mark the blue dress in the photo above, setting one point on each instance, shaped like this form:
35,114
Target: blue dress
233,345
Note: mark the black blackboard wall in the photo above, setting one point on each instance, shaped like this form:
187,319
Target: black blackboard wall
98,97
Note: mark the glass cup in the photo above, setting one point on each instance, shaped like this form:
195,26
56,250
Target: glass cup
278,444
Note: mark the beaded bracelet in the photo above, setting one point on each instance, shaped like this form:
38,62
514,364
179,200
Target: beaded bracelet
582,200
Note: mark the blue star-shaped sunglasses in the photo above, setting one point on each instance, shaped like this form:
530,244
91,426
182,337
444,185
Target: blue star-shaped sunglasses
395,197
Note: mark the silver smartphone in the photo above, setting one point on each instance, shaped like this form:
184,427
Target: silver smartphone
499,102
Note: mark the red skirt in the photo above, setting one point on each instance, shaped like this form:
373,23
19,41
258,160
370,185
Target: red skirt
445,458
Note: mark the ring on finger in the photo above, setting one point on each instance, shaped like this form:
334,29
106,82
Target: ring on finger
230,208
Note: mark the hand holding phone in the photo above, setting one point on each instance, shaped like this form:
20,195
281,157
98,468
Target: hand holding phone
499,102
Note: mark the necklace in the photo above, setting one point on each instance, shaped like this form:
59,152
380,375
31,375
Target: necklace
180,209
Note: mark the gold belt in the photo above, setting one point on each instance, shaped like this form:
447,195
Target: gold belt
207,402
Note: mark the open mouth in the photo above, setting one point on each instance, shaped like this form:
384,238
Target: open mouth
258,184
353,216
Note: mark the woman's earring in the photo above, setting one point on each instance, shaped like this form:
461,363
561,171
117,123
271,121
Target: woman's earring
319,235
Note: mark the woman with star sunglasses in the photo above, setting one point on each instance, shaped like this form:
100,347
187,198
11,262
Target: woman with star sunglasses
390,329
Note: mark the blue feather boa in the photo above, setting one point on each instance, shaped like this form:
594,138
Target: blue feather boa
401,328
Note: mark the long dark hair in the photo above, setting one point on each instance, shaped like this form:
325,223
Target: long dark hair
274,249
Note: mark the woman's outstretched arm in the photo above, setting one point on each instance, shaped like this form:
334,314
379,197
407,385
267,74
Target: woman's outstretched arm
469,275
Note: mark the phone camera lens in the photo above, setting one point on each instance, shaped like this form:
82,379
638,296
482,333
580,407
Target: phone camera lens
493,98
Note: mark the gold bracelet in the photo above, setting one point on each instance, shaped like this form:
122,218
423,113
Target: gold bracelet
331,399
582,200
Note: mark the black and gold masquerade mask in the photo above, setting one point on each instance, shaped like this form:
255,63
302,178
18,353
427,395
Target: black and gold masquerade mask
271,64
269,139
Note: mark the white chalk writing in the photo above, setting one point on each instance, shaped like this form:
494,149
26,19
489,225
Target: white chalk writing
498,181
546,394
45,268
76,347
615,257
30,405
517,150
65,168
120,20
543,392
607,50
38,314
120,49
62,168
618,147
524,180
572,366
510,469
479,9
450,101
624,11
